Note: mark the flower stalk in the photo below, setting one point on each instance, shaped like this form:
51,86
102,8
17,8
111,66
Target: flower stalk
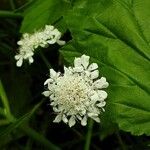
10,14
89,135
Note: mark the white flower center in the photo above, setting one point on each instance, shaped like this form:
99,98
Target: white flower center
71,92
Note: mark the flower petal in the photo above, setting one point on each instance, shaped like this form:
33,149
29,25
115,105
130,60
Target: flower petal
77,62
31,60
64,118
52,73
67,71
95,97
48,81
20,42
101,83
94,74
49,27
97,119
58,118
85,61
19,62
101,104
17,56
84,121
51,41
28,54
72,121
102,94
60,42
93,66
55,109
91,114
46,93
78,69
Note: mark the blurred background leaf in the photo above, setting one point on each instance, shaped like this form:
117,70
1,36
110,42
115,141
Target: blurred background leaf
45,12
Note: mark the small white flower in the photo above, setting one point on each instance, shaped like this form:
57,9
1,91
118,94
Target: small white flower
30,42
77,94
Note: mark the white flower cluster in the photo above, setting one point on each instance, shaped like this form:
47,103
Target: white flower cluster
77,94
29,42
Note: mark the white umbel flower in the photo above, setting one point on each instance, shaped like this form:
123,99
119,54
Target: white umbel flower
77,94
29,42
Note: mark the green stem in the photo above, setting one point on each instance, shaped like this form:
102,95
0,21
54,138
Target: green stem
123,147
24,6
4,98
4,122
45,59
12,4
39,138
5,103
9,14
89,135
2,112
29,144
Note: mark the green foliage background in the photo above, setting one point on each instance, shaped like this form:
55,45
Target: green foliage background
114,33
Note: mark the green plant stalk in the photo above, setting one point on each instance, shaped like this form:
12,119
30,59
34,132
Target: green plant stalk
29,144
5,103
44,59
4,122
9,14
89,135
39,138
2,112
123,146
12,4
24,6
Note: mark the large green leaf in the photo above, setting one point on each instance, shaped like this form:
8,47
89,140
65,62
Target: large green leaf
43,12
116,34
